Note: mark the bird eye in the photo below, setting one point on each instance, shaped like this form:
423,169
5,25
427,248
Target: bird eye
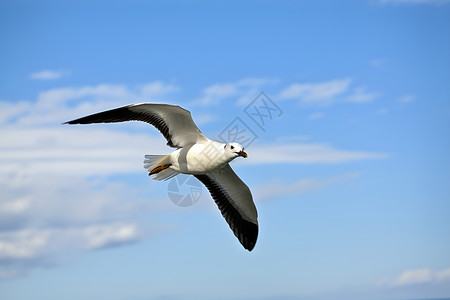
232,147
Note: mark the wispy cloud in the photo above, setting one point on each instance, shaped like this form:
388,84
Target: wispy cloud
443,275
244,90
413,277
316,92
201,119
417,276
74,150
107,92
43,217
32,134
47,171
326,93
22,249
48,75
34,243
305,153
104,91
157,88
45,174
215,93
360,95
61,104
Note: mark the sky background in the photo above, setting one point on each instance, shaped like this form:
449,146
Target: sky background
351,178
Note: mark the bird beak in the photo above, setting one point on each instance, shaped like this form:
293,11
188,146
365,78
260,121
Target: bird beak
243,154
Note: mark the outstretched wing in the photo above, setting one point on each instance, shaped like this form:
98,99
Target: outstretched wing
235,202
174,122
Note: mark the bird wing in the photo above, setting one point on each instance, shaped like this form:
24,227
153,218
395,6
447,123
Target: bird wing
235,202
174,122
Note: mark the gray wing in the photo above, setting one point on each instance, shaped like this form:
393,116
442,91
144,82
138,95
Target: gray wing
235,202
174,122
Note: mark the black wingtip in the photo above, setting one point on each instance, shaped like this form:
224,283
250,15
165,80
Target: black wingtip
245,231
120,114
249,234
70,122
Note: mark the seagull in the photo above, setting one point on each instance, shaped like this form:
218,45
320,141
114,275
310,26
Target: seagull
206,159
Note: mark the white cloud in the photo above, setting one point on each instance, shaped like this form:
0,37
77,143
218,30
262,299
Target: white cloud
11,110
23,249
443,275
413,277
44,216
100,236
106,92
244,90
215,93
326,93
158,88
316,92
417,276
47,201
43,154
15,206
48,75
75,150
360,95
204,118
22,244
55,106
50,203
306,154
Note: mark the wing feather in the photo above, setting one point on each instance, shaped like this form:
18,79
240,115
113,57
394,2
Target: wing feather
235,202
174,122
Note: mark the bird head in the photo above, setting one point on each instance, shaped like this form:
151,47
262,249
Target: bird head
234,150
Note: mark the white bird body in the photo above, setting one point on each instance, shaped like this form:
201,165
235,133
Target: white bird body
199,158
206,159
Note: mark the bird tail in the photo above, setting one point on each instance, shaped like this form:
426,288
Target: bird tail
158,167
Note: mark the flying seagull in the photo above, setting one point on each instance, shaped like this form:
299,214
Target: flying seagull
208,160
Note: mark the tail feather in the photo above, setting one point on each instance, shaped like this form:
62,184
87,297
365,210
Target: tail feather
165,174
153,161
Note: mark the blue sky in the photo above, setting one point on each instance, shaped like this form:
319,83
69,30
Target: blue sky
351,180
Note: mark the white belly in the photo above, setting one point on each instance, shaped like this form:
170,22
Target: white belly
199,158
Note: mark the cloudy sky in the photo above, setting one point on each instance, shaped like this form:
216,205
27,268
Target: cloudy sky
349,169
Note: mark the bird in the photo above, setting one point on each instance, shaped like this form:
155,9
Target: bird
195,154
